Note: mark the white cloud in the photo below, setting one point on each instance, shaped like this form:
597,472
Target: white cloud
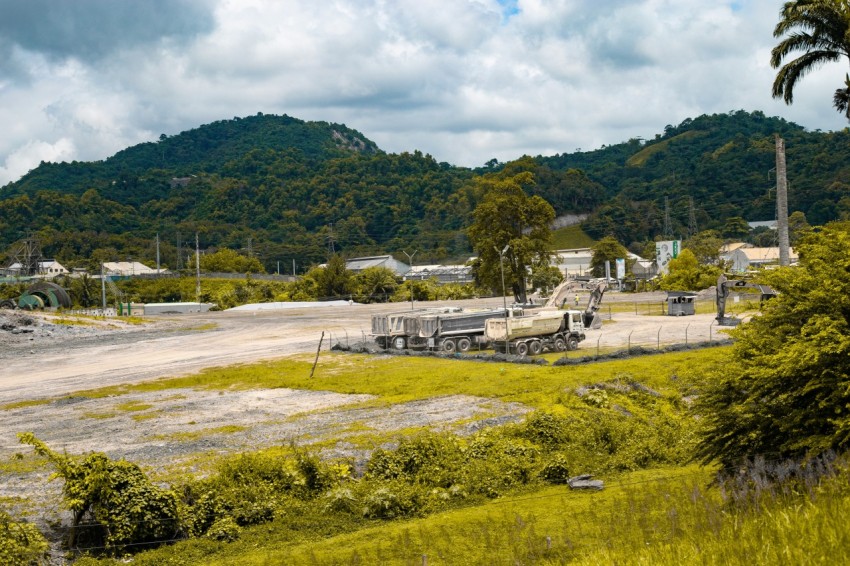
463,80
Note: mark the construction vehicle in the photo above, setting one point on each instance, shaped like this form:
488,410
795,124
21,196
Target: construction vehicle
394,329
553,330
548,329
725,286
450,332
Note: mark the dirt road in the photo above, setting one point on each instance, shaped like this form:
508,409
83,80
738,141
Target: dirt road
178,345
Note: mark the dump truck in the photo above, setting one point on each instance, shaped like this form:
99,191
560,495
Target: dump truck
394,329
450,332
553,330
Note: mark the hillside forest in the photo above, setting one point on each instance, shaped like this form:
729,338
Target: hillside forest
281,189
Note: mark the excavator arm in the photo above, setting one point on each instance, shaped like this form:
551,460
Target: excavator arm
724,286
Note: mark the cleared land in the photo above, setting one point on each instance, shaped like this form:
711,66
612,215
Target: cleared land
45,374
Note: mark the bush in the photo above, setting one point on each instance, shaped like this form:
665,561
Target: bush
114,503
20,543
393,500
556,470
224,529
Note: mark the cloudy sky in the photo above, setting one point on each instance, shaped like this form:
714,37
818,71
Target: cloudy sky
463,80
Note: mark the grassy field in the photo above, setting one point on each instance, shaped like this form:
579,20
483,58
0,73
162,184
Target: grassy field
656,508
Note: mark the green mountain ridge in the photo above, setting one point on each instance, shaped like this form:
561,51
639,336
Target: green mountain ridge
282,189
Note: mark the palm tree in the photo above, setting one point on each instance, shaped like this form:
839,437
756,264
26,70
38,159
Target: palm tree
820,29
841,100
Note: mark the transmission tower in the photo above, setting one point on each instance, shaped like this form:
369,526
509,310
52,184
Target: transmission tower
692,218
27,254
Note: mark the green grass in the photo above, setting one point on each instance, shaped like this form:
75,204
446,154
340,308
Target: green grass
23,404
188,436
664,516
402,379
571,237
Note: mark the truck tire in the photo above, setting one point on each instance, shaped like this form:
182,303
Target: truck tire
560,344
521,349
448,346
464,344
535,347
572,343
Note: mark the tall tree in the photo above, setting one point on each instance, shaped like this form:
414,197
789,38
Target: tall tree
820,31
510,231
786,390
607,249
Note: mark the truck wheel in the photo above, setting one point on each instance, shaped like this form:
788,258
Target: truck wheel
448,346
535,347
560,344
521,349
572,344
464,344
399,343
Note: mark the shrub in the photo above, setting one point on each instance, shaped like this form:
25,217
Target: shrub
556,470
224,529
20,543
114,504
393,500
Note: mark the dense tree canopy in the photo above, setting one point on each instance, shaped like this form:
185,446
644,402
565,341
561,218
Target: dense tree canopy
510,231
787,390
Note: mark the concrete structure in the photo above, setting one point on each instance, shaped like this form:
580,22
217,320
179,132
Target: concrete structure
176,308
126,269
574,262
744,259
358,264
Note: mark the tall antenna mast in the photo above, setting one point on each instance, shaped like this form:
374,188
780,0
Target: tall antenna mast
782,203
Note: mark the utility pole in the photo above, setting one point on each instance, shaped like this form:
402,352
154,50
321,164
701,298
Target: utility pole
157,253
103,287
668,230
410,261
197,269
782,203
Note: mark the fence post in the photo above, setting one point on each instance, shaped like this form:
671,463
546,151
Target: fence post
597,345
658,339
318,350
710,326
629,347
686,333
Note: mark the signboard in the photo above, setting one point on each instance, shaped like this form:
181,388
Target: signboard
621,268
664,252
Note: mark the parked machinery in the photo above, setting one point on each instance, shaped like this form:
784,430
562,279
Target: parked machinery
553,330
394,329
724,286
450,332
40,295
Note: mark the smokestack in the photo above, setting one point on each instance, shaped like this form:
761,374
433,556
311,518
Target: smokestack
782,203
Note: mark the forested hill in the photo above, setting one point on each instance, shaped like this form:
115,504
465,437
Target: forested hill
723,164
283,189
207,149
